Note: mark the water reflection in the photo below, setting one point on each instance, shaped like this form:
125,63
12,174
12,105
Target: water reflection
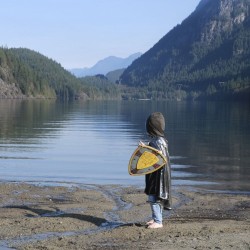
22,121
91,142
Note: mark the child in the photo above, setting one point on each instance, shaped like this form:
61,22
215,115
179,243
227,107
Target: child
158,183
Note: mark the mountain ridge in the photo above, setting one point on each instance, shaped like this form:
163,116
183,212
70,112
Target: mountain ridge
105,65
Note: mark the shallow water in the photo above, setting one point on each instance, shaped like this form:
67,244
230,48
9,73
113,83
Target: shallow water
91,142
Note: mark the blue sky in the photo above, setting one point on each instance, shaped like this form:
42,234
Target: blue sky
78,33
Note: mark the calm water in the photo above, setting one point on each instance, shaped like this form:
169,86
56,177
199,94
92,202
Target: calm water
91,142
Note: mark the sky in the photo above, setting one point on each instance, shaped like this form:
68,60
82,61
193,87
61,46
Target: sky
79,33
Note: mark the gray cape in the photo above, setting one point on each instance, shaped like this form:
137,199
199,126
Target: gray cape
159,182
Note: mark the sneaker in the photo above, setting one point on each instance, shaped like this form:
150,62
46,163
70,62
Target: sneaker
155,225
150,222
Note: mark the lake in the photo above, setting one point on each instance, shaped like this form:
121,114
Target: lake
91,142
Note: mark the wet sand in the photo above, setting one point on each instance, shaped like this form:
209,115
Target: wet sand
113,217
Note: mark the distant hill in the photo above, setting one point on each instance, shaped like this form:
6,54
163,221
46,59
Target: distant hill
106,65
114,76
206,56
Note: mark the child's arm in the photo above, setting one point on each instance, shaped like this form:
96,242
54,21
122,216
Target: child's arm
141,143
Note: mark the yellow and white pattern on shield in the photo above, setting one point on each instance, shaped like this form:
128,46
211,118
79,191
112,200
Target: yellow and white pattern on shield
147,159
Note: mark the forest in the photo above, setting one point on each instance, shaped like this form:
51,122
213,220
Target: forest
40,77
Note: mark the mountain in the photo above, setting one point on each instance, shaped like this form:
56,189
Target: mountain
206,56
106,65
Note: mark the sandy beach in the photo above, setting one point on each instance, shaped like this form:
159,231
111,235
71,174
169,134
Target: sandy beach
113,217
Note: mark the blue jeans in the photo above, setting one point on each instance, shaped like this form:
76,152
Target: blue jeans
156,209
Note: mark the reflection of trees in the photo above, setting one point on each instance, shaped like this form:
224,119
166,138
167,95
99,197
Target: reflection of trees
23,119
214,137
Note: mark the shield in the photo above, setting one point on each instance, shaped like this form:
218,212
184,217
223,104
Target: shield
145,160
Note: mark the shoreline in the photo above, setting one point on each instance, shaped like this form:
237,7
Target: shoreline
113,217
204,188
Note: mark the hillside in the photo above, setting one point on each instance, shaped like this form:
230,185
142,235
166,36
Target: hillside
26,73
206,56
106,65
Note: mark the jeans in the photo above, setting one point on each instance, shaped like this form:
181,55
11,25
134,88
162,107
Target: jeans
156,209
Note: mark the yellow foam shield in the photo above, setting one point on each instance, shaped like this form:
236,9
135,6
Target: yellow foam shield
147,159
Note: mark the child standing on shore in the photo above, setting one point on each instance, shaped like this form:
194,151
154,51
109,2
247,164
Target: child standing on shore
158,183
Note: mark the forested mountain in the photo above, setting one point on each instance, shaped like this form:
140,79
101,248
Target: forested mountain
27,74
206,56
114,76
